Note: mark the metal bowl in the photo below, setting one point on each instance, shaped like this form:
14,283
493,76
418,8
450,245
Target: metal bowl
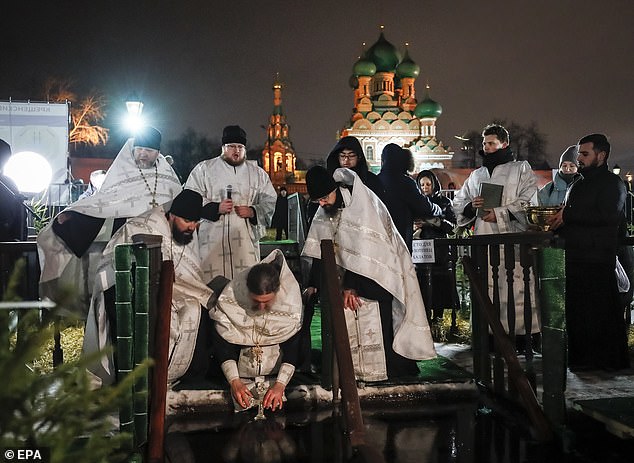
539,215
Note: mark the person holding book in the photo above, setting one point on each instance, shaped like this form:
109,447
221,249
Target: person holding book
499,167
492,199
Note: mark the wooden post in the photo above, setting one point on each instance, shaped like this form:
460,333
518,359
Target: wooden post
349,393
158,391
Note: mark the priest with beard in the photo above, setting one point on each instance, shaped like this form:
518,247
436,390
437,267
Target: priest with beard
190,327
238,203
70,246
380,288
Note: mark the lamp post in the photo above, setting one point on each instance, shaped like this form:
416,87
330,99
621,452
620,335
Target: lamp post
616,169
134,105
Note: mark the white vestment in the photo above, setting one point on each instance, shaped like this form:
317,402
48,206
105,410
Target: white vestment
520,186
367,243
189,293
231,244
238,324
520,189
126,191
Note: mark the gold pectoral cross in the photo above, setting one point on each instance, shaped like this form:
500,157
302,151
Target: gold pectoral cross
257,354
153,203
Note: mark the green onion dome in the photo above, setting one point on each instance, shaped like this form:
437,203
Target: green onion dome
407,67
428,108
384,55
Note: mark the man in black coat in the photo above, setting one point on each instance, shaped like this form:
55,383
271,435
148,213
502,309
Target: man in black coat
403,199
592,222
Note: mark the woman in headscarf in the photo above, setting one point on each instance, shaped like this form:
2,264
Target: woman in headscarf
443,284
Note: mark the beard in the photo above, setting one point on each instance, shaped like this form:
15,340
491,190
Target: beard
146,164
232,162
592,165
181,237
332,209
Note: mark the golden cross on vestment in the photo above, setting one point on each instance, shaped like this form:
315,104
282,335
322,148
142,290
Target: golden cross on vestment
257,354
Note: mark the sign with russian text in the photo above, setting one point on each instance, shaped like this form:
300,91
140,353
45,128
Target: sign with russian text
423,252
38,127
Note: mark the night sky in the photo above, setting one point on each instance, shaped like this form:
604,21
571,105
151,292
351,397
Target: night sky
567,65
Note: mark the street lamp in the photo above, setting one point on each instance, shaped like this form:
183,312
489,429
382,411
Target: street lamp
616,169
134,105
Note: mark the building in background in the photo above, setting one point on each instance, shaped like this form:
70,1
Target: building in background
278,155
386,109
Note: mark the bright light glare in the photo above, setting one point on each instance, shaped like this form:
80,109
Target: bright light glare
134,106
30,171
134,123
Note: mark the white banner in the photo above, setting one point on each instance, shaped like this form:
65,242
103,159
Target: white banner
423,252
38,127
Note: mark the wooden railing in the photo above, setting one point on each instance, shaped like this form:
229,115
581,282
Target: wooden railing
502,269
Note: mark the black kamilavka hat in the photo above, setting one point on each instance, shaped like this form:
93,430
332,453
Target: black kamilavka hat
319,182
187,205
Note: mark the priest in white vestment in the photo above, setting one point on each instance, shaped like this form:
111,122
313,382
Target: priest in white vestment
258,318
378,267
519,190
189,352
239,200
70,247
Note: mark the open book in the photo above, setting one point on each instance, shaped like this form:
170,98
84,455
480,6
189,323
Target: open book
492,194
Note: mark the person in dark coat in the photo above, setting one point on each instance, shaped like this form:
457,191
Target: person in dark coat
279,221
403,199
442,282
592,223
349,154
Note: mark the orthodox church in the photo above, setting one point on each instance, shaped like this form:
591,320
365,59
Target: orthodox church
386,109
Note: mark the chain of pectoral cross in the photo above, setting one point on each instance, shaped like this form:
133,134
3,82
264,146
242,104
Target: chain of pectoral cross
153,203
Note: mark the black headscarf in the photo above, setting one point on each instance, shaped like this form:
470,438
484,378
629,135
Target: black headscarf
434,181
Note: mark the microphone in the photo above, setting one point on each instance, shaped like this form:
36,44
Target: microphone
229,190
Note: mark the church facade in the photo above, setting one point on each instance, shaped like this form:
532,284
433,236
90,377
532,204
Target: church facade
386,109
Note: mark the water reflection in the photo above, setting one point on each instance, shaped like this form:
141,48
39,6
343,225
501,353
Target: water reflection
262,441
458,433
423,434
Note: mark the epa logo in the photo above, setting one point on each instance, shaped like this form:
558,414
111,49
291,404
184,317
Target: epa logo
35,455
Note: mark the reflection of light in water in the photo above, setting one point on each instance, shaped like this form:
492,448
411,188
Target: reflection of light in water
30,171
260,441
444,432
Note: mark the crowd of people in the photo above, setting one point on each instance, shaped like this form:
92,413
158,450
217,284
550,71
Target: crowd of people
242,316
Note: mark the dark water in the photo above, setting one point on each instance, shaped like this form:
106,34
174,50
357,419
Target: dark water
465,432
